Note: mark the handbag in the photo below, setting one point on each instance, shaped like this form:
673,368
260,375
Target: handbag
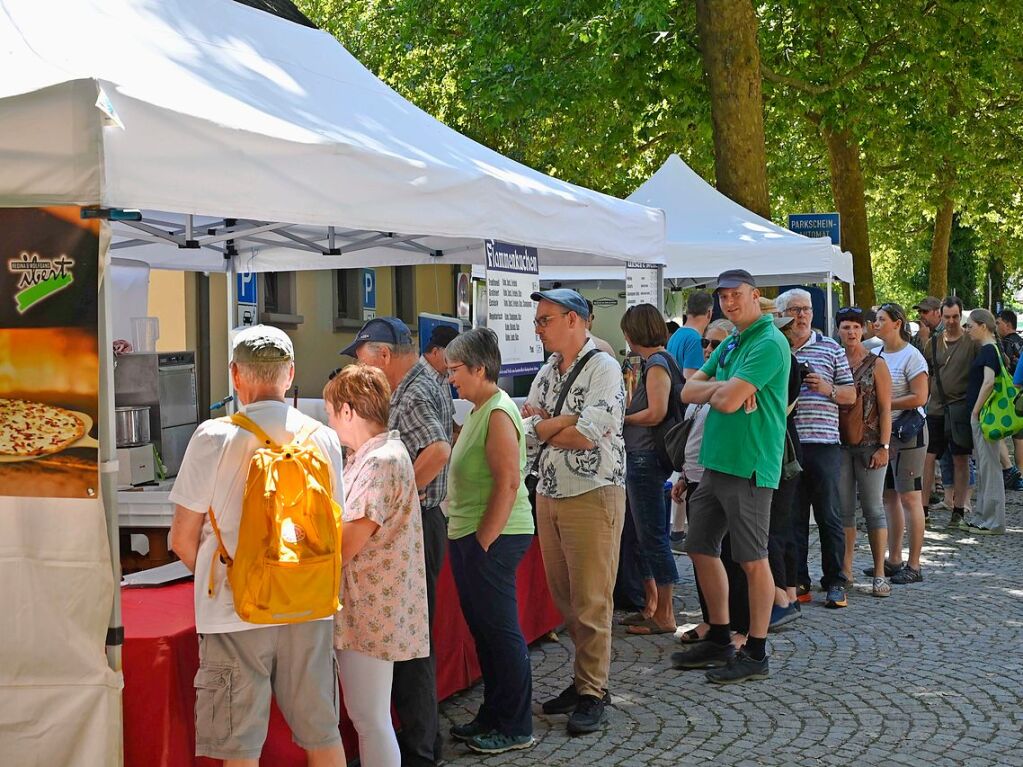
957,414
789,463
675,440
907,426
850,417
532,476
998,416
671,459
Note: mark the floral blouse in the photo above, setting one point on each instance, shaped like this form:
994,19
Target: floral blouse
383,587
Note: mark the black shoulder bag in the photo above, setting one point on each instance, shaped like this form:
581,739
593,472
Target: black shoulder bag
957,414
533,476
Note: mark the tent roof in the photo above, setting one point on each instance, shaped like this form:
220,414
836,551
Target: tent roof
708,233
212,108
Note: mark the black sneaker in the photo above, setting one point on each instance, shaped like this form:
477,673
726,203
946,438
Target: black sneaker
567,701
703,655
907,575
739,669
590,713
469,730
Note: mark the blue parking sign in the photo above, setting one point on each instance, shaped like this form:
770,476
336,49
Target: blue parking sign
245,288
369,289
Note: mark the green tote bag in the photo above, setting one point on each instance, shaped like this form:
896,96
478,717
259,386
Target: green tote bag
998,416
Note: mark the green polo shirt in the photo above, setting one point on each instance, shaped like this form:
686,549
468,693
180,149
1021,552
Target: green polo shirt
742,443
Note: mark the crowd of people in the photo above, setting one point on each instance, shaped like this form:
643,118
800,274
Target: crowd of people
782,422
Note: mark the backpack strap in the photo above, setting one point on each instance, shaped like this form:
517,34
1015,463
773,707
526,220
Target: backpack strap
219,552
242,421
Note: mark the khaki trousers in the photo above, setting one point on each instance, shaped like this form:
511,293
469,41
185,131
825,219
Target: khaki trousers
579,540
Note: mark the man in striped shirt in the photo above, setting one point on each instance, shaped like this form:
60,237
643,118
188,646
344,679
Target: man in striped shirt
827,383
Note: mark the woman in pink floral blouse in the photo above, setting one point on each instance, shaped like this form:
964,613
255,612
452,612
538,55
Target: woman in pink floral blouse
383,617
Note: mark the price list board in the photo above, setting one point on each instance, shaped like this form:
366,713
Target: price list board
513,275
641,284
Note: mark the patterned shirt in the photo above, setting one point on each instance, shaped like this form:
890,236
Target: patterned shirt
423,414
816,413
383,587
598,398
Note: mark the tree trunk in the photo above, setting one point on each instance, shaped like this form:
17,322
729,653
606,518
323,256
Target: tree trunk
997,271
939,246
731,61
850,199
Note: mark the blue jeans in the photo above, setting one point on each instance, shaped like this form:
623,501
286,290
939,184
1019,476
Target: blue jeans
822,465
644,487
486,590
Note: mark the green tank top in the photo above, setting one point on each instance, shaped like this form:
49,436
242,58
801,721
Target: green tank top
470,481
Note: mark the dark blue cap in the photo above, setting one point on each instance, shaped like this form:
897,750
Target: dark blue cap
566,297
733,278
388,330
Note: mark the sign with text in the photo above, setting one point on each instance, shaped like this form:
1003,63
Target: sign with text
49,353
817,225
641,285
513,275
245,288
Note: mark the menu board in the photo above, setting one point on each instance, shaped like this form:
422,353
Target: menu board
49,355
513,275
641,284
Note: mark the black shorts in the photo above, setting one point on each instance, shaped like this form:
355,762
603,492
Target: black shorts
938,442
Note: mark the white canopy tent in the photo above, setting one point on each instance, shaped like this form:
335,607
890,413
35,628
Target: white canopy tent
220,110
709,233
248,143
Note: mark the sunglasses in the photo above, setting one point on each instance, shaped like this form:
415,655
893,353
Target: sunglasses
846,311
708,343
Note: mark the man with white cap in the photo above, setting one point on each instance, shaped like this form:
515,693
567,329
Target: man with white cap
240,662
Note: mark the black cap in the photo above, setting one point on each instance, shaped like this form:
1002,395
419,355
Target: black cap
733,278
388,330
441,336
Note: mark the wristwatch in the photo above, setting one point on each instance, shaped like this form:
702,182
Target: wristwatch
833,396
884,447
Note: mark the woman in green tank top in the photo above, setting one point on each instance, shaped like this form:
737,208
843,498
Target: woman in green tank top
490,525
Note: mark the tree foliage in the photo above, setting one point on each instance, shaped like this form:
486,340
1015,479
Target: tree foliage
600,92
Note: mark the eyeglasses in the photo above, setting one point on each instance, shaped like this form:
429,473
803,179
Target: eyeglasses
333,373
709,342
453,368
795,311
544,321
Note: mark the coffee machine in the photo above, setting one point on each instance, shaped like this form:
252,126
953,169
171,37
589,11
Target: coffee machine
165,383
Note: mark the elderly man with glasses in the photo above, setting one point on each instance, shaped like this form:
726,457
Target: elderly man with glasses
580,493
827,383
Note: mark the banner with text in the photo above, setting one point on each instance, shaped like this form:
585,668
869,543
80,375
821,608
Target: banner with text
513,275
641,284
49,381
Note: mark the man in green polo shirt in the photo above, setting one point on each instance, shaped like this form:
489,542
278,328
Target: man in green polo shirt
746,383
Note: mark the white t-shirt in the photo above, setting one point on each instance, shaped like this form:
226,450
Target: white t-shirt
904,365
213,474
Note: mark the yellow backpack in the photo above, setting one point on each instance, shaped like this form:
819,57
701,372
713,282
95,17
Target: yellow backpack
287,566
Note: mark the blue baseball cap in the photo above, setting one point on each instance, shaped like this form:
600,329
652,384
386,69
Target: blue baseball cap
566,297
388,330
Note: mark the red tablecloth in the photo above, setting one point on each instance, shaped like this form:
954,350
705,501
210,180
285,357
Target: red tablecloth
161,655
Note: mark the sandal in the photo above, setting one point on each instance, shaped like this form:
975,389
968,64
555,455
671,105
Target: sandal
649,627
692,636
632,619
881,588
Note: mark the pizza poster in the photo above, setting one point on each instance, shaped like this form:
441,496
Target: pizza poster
49,353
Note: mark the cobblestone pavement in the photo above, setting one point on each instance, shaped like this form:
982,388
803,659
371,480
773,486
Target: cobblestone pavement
931,676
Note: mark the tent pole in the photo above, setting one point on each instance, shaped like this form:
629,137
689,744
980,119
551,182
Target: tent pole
232,280
831,309
108,449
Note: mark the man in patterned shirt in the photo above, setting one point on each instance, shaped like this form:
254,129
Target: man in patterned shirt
580,495
423,414
828,383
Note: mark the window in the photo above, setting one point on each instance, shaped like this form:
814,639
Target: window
348,298
405,294
278,299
